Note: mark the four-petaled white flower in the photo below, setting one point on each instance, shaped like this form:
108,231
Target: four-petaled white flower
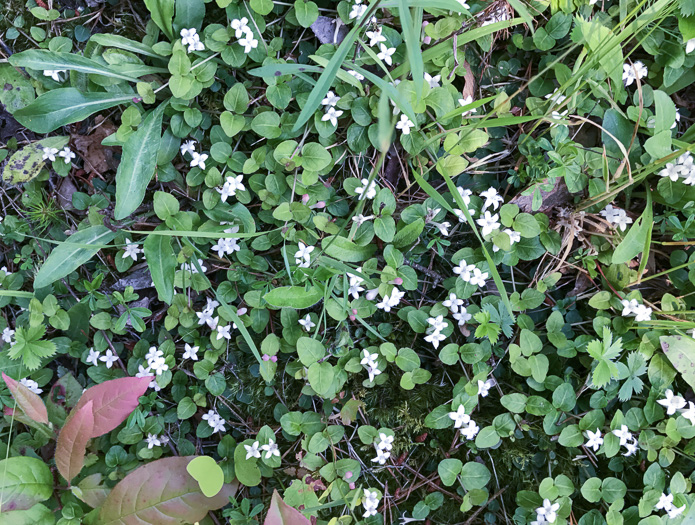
49,154
7,334
478,277
252,451
303,253
131,249
240,26
223,332
375,37
367,190
548,511
370,502
462,317
54,74
67,155
357,10
492,198
109,358
489,223
153,440
671,402
595,440
190,352
635,71
331,99
459,417
332,115
432,81
271,449
188,147
465,101
198,160
93,357
381,457
689,414
31,385
249,42
231,186
307,323
405,124
623,434
453,303
385,54
485,386
191,38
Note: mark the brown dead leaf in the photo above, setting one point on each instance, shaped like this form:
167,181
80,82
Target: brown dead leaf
98,159
468,81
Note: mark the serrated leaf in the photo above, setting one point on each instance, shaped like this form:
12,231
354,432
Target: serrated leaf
161,492
30,403
71,445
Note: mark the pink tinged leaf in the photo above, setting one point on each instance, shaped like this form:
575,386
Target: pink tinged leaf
113,401
161,492
24,482
30,403
281,513
91,491
71,446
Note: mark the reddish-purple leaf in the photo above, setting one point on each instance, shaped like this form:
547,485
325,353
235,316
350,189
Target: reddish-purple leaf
281,513
113,401
161,492
71,446
30,403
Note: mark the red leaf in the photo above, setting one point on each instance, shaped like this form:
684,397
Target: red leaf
71,446
113,401
161,492
30,403
280,513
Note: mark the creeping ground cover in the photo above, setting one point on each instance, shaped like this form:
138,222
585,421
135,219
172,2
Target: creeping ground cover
313,262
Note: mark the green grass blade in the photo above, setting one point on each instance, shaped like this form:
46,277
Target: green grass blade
412,44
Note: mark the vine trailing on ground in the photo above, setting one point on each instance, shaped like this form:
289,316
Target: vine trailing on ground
371,262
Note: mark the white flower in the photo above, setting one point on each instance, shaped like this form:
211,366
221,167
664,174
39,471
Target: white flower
7,334
464,4
252,450
435,338
49,154
492,198
192,268
332,115
331,99
360,219
304,252
93,357
131,250
370,502
485,386
190,352
187,147
459,417
464,102
634,71
405,124
470,430
690,413
643,313
609,212
271,449
629,307
690,46
489,223
385,442
188,36
67,154
54,74
375,37
462,317
215,421
623,433
631,448
109,358
307,323
357,10
478,277
678,119
453,303
622,220
205,317
226,246
143,372
231,186
240,26
433,81
198,160
674,511
548,511
438,323
158,365
665,502
31,385
595,439
373,371
355,74
671,402
223,332
153,353
153,441
381,456
249,42
386,53
369,360
368,190
464,270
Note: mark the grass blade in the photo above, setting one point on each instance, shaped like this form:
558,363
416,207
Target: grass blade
412,44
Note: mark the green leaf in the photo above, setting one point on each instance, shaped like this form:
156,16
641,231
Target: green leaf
246,470
63,106
408,234
591,490
665,112
680,351
527,225
487,437
138,163
208,474
293,297
315,157
42,60
37,515
25,481
161,260
162,12
306,12
267,124
571,436
412,44
165,205
474,475
72,253
448,470
26,163
321,376
161,492
612,490
347,251
310,350
120,42
189,13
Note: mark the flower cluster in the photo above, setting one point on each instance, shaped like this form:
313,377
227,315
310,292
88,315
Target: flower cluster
109,357
683,169
462,421
632,307
383,448
616,216
665,503
369,363
244,34
547,513
370,502
635,71
66,153
215,421
191,38
332,114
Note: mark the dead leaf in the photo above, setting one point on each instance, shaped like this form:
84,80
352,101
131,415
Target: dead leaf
97,158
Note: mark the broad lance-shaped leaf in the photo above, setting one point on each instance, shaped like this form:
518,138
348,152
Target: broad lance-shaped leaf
30,403
25,481
161,492
681,352
161,260
293,297
72,253
113,401
37,515
71,446
63,106
280,513
45,60
138,163
637,239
